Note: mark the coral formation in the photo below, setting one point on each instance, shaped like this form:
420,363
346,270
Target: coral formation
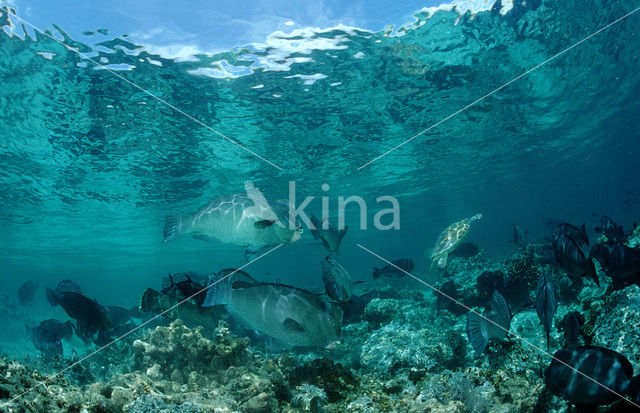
408,354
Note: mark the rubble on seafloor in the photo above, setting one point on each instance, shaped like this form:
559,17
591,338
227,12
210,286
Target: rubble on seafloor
408,354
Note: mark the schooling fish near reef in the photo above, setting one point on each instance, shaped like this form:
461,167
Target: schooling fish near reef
26,292
395,270
172,306
572,326
619,262
47,336
546,304
612,231
88,313
570,248
184,286
330,237
247,219
120,315
495,323
337,282
607,367
291,315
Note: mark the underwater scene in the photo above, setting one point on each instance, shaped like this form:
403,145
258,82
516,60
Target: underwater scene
431,214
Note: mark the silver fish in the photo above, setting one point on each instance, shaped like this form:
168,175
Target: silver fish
242,219
495,323
291,315
336,279
546,304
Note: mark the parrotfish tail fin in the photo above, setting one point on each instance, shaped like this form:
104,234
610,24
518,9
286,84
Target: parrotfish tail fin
476,332
173,227
52,297
149,300
376,273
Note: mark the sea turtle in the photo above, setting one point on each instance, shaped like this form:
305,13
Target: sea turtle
449,239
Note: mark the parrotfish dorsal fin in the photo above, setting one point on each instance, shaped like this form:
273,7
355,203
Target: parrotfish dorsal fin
238,284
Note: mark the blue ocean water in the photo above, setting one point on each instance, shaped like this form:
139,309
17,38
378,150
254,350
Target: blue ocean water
91,165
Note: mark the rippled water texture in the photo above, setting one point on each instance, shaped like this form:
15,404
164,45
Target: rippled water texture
90,164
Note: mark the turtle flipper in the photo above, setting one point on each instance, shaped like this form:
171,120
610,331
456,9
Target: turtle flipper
442,261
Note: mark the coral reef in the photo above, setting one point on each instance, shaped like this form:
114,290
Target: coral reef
409,354
333,378
309,398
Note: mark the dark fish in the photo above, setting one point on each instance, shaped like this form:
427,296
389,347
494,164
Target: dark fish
610,229
578,234
47,336
495,323
330,237
518,235
572,325
546,304
445,302
391,270
465,250
88,313
107,336
190,311
120,315
490,281
598,364
570,249
353,310
86,332
184,286
27,291
337,282
619,262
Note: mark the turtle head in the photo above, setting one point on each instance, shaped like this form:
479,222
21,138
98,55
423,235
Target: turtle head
476,216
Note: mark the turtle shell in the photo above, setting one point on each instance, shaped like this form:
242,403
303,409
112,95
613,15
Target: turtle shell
451,237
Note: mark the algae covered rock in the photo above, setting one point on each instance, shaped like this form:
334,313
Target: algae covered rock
309,398
333,378
381,311
176,351
396,346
